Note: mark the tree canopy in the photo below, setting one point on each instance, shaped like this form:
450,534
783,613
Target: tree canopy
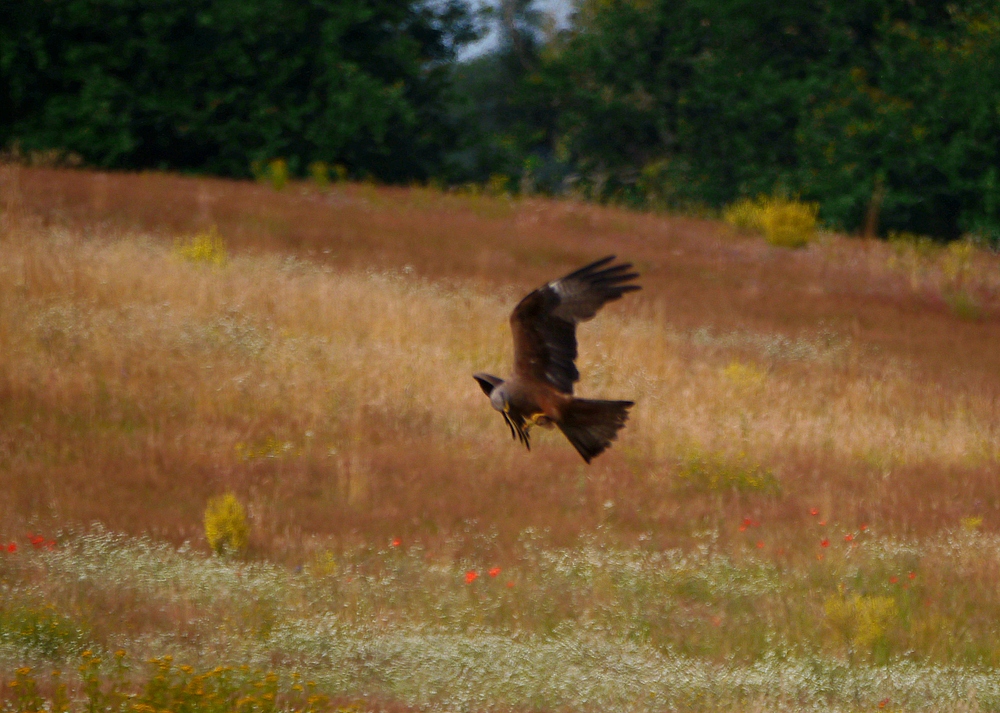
212,85
876,109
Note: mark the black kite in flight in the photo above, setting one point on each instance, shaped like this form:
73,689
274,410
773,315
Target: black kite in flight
541,390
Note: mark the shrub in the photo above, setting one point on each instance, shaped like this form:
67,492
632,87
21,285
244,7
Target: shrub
498,185
862,621
320,173
204,247
963,305
226,527
274,172
166,687
715,472
40,631
745,377
277,173
785,223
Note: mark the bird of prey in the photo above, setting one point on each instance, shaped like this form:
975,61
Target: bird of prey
541,390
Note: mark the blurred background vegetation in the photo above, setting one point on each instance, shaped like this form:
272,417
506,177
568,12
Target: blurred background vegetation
884,113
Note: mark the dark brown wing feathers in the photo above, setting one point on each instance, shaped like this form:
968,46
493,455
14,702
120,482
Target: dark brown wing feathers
544,322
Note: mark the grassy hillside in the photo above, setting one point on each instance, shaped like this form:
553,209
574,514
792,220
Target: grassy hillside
800,513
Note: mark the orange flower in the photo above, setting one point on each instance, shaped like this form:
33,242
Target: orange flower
824,543
494,572
471,576
883,703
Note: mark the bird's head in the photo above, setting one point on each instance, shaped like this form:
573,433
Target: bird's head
499,399
494,387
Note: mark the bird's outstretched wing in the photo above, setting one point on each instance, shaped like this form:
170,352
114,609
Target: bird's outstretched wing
544,322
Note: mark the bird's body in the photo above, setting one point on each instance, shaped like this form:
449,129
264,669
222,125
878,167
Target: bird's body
540,392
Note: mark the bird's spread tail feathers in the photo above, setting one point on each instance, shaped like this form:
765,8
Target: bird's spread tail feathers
591,425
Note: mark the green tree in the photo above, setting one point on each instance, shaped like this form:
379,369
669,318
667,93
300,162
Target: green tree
214,84
883,111
913,143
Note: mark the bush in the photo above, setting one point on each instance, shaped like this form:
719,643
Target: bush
719,472
785,223
204,247
276,171
226,527
40,631
864,622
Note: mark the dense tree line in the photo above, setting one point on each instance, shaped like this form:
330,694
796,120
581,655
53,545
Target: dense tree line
213,85
886,112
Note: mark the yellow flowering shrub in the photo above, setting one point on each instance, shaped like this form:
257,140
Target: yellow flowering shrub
863,622
226,527
207,247
783,222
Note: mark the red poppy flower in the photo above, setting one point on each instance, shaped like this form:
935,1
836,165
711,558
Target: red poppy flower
36,540
396,542
12,547
864,527
912,575
494,572
822,522
760,544
848,537
893,579
471,576
814,511
883,703
510,585
824,543
743,528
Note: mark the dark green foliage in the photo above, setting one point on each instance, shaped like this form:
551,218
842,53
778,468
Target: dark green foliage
214,84
918,135
885,112
504,106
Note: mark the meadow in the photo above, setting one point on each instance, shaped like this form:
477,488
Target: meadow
801,514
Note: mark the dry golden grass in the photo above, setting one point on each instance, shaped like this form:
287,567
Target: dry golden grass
323,372
809,472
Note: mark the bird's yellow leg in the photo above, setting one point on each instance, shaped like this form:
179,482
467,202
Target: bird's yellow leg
539,419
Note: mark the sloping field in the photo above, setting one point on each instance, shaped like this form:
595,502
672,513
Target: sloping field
799,514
